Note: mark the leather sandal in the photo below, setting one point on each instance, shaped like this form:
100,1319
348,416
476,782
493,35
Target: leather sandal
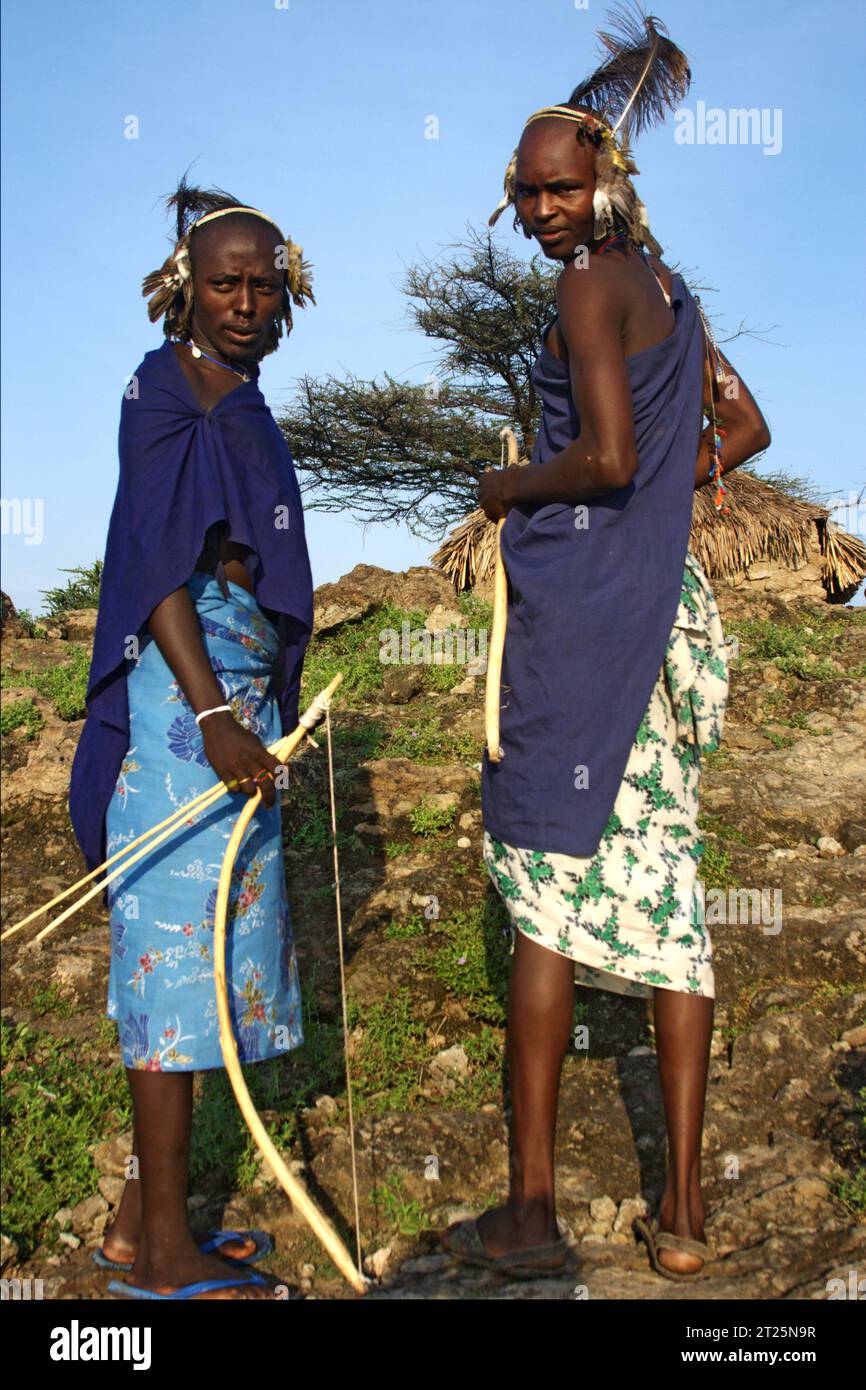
464,1243
647,1229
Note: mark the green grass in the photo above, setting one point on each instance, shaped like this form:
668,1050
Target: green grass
82,591
717,760
391,1059
850,1188
390,1056
309,821
429,819
60,1098
793,649
355,650
65,686
414,926
398,1213
24,715
716,826
424,739
484,1083
47,999
715,868
778,740
354,744
471,958
57,1101
395,849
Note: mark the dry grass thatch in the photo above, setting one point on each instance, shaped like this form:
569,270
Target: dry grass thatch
763,524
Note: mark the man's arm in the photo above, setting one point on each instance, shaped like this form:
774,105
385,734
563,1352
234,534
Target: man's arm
604,457
232,751
746,430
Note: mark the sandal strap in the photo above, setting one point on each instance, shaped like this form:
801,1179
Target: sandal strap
667,1240
532,1253
465,1240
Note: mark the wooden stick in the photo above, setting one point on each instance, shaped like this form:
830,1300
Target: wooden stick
291,1185
493,684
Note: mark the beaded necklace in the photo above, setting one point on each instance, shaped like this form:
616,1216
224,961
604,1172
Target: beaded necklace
198,352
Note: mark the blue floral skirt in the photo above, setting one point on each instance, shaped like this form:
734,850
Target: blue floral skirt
161,982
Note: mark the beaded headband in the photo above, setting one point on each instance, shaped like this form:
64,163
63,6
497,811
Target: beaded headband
222,212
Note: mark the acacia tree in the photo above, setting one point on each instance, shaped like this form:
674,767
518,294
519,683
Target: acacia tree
414,453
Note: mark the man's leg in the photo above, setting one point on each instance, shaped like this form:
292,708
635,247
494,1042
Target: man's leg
684,1028
123,1237
540,1012
168,1255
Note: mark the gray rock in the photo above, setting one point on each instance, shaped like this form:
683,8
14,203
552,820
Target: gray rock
401,684
828,848
452,1064
603,1209
8,1251
628,1210
465,687
111,1156
85,1213
111,1189
377,1263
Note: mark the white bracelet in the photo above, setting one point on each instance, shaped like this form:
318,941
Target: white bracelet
216,709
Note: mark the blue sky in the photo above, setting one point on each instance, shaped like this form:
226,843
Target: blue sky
315,111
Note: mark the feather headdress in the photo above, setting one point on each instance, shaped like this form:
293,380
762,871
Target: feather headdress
170,289
643,76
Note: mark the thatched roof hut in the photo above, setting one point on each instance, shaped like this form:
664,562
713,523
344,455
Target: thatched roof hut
768,540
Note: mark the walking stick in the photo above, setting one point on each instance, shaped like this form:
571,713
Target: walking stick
493,685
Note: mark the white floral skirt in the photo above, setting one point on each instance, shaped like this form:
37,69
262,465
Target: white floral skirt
630,916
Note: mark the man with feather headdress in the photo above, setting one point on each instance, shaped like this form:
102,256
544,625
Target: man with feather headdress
614,675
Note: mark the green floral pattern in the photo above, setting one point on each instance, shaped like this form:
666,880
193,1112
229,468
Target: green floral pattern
629,916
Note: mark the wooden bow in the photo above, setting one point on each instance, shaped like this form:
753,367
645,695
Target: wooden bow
291,1185
145,844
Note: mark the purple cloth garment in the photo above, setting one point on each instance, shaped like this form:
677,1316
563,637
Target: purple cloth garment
592,597
182,470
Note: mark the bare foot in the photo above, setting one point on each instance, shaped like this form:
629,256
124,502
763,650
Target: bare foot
115,1247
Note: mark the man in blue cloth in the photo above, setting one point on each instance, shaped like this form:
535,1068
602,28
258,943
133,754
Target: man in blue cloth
204,617
590,611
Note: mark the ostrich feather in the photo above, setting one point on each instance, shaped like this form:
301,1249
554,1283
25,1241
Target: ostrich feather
190,203
644,77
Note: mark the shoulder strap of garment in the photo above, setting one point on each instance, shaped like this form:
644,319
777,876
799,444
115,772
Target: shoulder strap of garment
660,285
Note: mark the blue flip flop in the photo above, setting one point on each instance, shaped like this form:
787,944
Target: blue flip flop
208,1244
187,1290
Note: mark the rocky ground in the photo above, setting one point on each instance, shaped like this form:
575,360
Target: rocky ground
783,807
